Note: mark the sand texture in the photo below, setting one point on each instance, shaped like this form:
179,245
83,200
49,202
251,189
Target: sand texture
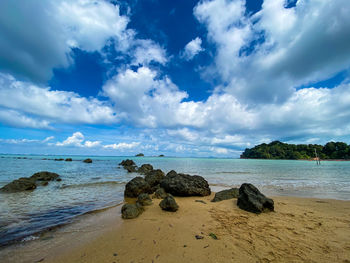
300,230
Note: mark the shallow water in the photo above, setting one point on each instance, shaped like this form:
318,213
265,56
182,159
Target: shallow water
86,187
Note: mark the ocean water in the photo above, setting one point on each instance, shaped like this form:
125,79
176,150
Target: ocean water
88,187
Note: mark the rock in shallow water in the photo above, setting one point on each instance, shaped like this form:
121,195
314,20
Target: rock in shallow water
44,176
185,185
169,204
226,194
130,211
145,169
251,200
88,160
136,186
21,184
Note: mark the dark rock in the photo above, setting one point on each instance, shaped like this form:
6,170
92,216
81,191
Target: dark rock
127,162
130,211
160,193
161,155
251,200
185,185
44,176
88,160
169,204
154,177
139,155
44,183
137,186
144,199
199,237
68,159
226,194
130,169
145,169
59,159
58,179
200,201
21,184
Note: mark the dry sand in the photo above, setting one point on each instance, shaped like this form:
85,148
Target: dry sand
300,230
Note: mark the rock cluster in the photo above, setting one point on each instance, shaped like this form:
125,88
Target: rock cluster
26,184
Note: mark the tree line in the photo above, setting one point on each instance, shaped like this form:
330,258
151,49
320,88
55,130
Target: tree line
280,150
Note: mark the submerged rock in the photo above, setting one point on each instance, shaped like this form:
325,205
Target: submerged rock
130,211
226,194
88,160
185,185
251,200
21,184
145,169
136,186
160,193
144,199
169,204
130,169
44,176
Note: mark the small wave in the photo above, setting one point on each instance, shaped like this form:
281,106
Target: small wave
233,172
92,184
29,238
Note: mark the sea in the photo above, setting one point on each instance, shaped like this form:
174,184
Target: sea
87,187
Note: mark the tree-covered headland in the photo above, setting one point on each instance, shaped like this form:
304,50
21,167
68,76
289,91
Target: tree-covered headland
280,150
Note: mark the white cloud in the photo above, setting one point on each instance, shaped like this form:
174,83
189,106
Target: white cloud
75,140
264,57
192,48
147,51
122,146
91,144
20,98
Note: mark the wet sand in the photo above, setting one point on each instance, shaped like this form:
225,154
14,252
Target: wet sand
300,230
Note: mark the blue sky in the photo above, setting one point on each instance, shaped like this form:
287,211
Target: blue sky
180,78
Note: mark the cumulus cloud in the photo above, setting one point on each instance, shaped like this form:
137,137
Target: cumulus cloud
192,48
147,51
122,146
17,119
264,57
77,140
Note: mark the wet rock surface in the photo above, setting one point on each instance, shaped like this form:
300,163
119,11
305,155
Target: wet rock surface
136,186
44,176
21,184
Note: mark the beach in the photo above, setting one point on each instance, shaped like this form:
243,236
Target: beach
300,230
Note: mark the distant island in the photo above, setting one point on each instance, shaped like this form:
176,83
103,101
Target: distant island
139,155
280,150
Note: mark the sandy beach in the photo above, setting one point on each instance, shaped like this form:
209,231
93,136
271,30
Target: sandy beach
300,230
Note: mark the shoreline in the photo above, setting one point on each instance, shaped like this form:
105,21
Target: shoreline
104,237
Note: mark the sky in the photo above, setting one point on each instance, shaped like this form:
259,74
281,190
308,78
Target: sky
204,78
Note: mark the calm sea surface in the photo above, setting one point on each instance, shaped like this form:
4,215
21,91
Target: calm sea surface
86,187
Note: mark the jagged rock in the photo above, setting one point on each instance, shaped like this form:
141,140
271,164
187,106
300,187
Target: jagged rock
160,193
88,160
127,162
145,169
185,185
226,194
251,200
130,211
144,199
154,177
44,176
68,159
137,186
21,184
169,204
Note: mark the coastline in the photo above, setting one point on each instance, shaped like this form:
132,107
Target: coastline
300,229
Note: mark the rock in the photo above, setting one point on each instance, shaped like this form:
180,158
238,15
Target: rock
145,169
44,183
199,237
68,159
58,179
226,194
127,162
44,176
59,159
154,177
139,155
21,184
185,185
251,200
88,160
160,193
161,155
137,186
130,169
169,204
144,199
130,211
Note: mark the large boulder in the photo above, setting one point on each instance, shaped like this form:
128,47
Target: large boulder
127,162
251,200
185,185
130,211
226,194
130,169
136,186
169,204
144,199
21,184
154,177
88,160
145,169
44,176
